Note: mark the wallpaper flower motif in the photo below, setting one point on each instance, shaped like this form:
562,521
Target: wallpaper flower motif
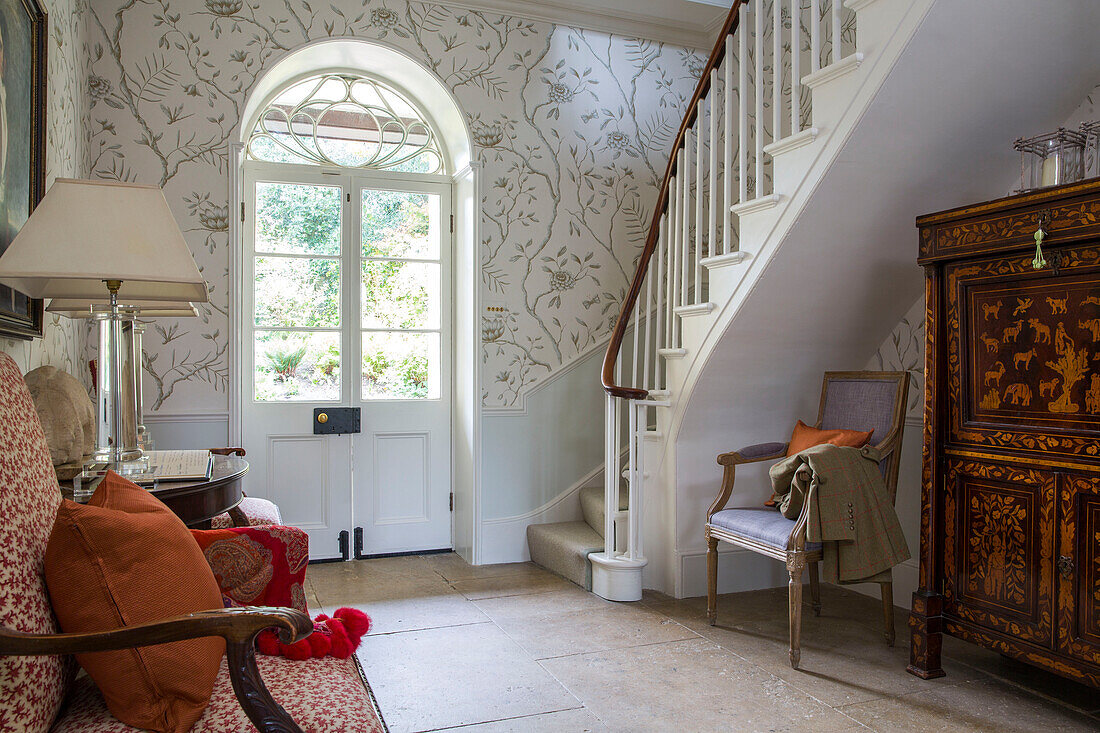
572,128
62,344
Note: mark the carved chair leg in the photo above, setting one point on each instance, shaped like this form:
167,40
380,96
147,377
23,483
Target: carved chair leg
267,715
794,611
888,612
815,588
712,580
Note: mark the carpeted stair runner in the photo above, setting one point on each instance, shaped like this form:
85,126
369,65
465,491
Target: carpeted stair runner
563,547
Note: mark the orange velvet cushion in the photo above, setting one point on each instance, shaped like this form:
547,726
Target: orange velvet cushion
126,559
805,437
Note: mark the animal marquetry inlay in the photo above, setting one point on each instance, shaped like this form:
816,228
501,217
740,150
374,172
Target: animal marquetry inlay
1046,389
1057,305
1018,393
1024,358
992,345
1022,304
1092,326
1091,300
993,376
1092,397
1011,334
1042,331
992,311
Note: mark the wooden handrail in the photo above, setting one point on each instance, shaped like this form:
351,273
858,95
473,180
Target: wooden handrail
717,54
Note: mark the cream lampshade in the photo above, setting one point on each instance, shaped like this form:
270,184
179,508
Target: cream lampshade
106,242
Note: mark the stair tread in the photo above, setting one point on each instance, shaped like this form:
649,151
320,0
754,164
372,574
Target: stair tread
563,548
592,505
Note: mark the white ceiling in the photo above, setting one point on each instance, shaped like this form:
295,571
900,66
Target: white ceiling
690,23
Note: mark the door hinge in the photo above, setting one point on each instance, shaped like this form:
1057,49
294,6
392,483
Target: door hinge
242,211
452,501
452,223
345,542
358,548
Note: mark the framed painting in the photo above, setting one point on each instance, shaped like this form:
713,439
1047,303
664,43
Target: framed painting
22,144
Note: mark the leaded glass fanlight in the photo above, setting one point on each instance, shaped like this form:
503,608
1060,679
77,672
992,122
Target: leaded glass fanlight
347,121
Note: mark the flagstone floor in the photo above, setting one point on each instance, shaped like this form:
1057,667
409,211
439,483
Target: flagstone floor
515,648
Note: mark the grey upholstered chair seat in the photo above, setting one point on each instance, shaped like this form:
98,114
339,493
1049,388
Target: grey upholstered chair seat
761,524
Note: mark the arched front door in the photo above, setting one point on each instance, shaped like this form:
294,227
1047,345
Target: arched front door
346,292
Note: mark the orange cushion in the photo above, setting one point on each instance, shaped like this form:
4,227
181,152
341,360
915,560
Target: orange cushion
805,437
126,559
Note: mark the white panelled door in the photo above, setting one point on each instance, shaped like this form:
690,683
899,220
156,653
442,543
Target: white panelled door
346,303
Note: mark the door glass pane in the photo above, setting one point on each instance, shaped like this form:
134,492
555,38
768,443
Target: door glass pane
400,366
400,294
400,224
297,292
296,365
294,218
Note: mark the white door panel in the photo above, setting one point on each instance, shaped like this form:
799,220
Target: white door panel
347,301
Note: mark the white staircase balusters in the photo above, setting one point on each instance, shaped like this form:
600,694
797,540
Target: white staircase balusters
727,147
758,88
796,66
815,35
721,138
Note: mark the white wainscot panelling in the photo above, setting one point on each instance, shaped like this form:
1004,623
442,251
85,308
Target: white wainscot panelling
188,431
298,479
401,478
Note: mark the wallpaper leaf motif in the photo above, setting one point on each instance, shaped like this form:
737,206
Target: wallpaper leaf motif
572,128
62,343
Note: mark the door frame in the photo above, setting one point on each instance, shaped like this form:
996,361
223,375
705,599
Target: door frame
466,377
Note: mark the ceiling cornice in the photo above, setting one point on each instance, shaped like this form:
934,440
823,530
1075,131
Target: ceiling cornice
678,22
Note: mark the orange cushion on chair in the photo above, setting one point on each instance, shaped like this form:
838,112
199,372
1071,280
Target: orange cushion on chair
125,559
805,437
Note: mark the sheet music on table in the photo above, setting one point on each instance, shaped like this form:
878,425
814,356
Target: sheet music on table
176,465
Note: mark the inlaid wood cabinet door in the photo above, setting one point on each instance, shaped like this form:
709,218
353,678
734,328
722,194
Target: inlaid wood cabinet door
1078,566
998,558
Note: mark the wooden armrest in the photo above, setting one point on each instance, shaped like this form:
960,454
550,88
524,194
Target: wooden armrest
739,457
228,451
238,626
232,624
730,461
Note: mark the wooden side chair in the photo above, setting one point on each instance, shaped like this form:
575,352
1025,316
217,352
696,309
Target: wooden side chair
849,400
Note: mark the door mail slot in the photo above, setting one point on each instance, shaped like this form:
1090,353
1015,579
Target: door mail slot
335,420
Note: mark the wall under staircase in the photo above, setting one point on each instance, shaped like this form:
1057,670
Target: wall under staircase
921,117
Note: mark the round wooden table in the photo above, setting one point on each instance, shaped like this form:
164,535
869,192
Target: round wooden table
197,502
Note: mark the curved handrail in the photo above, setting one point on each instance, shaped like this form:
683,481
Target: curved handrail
717,54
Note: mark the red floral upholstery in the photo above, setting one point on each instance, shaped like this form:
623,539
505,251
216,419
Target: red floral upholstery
31,688
260,512
322,695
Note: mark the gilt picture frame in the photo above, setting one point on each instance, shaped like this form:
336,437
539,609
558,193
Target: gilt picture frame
22,145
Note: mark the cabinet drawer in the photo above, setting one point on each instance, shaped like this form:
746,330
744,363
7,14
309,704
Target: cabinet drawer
1079,567
999,550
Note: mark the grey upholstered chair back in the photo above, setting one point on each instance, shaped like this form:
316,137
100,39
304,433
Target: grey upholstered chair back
868,401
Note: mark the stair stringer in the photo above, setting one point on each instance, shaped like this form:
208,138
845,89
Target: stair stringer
685,475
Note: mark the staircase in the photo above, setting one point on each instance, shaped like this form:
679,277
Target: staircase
762,219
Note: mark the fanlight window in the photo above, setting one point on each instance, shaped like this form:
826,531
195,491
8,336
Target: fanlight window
346,121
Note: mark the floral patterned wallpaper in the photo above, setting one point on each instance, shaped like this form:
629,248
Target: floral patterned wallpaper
67,108
904,347
571,126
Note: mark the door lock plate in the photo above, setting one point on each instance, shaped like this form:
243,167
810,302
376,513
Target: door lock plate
335,420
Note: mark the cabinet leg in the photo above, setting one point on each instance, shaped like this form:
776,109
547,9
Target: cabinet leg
926,635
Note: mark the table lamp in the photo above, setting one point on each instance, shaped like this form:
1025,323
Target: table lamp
82,308
115,243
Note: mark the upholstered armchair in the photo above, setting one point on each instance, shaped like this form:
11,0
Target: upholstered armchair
38,691
849,400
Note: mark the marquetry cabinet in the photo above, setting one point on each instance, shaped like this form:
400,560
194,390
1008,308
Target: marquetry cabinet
1010,522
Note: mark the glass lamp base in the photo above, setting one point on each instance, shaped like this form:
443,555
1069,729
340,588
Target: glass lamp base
86,482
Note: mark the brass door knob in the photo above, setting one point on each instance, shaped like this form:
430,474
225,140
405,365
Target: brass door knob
322,417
